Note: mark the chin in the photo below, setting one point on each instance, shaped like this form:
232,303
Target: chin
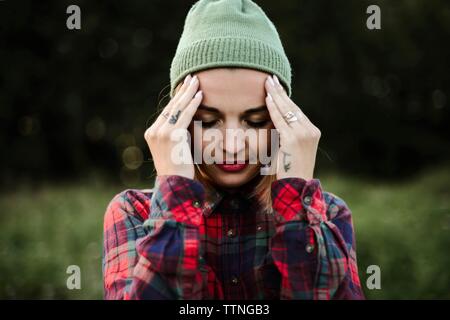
232,180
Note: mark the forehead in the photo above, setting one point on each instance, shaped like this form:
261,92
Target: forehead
232,90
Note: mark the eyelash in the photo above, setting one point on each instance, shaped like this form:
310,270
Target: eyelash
253,124
209,124
258,124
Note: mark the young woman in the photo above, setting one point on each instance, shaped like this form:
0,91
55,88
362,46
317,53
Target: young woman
224,229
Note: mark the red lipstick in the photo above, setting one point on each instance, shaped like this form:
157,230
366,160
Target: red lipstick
234,167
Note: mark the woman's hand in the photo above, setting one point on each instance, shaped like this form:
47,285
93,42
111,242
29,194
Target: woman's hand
298,139
177,114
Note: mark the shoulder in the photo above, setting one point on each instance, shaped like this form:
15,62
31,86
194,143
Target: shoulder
130,202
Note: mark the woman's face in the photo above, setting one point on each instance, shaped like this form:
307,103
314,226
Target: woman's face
233,99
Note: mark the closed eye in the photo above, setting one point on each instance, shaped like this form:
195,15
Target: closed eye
257,124
254,124
209,124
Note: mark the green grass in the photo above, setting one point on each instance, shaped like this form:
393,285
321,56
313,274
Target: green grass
403,228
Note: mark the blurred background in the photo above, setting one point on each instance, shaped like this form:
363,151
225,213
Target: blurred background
74,105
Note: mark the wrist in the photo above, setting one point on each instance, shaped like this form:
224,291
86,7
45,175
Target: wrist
303,174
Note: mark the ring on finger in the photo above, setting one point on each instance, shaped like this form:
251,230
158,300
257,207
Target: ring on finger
166,115
290,117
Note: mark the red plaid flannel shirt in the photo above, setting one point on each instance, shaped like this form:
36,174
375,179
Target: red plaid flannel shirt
171,242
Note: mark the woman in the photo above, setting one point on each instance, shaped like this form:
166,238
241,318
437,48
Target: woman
227,229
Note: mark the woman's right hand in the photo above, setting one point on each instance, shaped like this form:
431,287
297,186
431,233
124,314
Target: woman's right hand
179,113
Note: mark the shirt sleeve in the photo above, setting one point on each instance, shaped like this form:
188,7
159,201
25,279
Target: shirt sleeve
314,244
156,257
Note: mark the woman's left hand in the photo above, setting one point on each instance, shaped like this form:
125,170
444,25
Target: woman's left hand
298,139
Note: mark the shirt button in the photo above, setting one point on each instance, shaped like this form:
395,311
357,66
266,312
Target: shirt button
196,203
235,280
307,200
258,227
234,204
309,248
230,233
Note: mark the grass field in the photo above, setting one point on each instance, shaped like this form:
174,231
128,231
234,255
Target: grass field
403,228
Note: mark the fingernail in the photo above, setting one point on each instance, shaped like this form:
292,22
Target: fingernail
198,94
194,78
187,79
276,79
271,81
270,96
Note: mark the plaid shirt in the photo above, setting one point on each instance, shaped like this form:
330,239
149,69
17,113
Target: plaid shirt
174,242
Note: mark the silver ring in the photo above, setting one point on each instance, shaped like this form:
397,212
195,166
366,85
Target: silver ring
290,117
166,115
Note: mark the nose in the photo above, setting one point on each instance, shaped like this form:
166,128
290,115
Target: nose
234,144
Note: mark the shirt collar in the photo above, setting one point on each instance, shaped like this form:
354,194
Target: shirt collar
216,194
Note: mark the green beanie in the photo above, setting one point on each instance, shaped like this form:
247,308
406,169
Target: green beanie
229,33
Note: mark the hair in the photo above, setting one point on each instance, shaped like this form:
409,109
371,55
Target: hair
262,191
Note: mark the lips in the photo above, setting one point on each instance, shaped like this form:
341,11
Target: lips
234,167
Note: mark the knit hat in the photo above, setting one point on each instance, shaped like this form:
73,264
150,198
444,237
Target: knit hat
229,33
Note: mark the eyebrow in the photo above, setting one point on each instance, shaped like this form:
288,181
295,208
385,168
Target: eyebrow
248,111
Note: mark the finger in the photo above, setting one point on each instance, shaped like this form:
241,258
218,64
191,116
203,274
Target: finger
189,112
288,105
275,114
294,107
279,102
189,93
182,90
179,107
168,108
177,103
283,94
162,117
275,91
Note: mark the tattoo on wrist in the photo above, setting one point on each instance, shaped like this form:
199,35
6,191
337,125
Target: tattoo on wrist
286,162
